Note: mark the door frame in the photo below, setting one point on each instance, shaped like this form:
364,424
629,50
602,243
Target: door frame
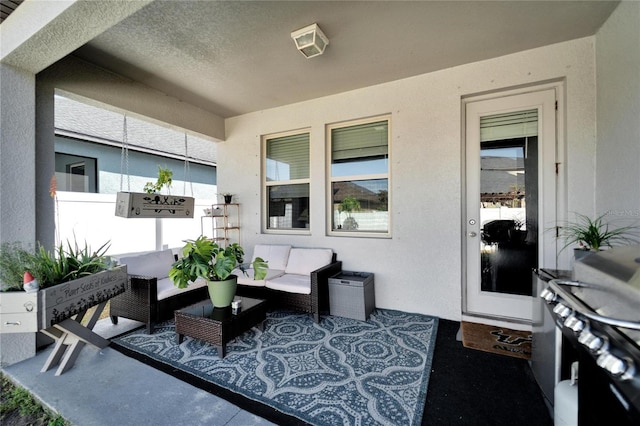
549,215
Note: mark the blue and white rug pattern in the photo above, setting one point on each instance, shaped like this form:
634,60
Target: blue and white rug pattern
339,372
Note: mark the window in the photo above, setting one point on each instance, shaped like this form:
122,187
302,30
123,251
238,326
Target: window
286,171
75,173
359,190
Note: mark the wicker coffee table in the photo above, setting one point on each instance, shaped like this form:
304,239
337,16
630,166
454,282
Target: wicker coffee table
219,325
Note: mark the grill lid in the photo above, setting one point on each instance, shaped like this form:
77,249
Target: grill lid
620,265
610,285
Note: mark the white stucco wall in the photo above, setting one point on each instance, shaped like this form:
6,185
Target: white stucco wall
419,268
17,182
618,102
17,155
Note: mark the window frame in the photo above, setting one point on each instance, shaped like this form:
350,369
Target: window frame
358,177
266,184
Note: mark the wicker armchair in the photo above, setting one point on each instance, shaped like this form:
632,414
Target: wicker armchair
140,302
150,296
315,303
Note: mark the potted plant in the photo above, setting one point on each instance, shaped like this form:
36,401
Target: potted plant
165,178
592,235
347,205
151,203
516,234
227,197
204,258
70,280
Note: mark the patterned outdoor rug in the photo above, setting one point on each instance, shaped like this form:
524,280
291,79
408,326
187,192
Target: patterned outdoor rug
341,371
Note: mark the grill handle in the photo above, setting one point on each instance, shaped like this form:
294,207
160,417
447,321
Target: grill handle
579,307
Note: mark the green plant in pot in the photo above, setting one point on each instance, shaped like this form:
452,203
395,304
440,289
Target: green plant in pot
204,258
348,205
165,178
62,265
592,235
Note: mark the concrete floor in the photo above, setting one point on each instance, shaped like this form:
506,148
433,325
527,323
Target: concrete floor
105,387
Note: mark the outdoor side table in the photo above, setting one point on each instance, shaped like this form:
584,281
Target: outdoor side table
219,325
352,295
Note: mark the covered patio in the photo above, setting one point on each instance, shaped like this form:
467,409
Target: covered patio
229,72
192,66
106,387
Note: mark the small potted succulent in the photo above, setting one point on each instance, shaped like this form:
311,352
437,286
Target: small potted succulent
204,258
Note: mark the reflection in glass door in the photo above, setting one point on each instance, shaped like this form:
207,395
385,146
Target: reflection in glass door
508,211
510,183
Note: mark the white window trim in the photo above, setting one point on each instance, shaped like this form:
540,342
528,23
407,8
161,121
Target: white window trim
264,216
330,179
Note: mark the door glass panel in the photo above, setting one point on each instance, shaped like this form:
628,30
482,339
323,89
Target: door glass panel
508,193
508,214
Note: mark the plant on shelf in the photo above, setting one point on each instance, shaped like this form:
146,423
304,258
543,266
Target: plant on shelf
227,197
594,234
348,205
165,178
204,258
48,268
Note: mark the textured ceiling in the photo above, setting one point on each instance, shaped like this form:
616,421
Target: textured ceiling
232,58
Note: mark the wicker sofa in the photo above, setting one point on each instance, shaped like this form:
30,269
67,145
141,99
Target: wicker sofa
297,278
150,296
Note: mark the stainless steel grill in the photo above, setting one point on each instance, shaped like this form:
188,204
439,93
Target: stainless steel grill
598,312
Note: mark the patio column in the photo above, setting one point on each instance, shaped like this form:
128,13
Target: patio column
17,182
35,36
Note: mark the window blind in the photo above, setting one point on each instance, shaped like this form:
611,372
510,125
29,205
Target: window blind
288,157
365,140
509,126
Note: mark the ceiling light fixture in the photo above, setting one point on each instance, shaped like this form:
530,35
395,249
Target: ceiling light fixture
310,40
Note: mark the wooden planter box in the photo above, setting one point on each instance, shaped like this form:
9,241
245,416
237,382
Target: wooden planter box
29,312
143,205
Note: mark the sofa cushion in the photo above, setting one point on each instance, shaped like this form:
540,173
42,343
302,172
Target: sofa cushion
166,288
291,283
303,261
248,278
155,264
275,255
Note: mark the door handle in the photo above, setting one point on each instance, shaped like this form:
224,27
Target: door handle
472,234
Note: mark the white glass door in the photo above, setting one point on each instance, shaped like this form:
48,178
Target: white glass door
510,193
